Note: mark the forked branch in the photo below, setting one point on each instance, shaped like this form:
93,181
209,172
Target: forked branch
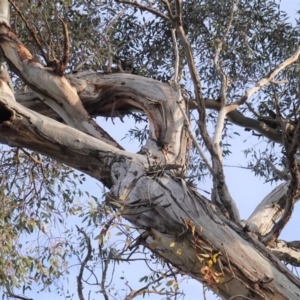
145,8
55,91
224,85
222,193
261,83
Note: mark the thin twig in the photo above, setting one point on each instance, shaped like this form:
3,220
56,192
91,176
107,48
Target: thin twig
261,83
224,84
37,161
10,294
64,61
196,144
134,293
252,110
107,39
84,263
31,31
83,62
104,274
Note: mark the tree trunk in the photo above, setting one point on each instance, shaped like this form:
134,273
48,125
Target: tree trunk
178,224
149,188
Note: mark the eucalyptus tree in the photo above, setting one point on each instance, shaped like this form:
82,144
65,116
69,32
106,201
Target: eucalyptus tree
229,63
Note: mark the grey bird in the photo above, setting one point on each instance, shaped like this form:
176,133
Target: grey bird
4,76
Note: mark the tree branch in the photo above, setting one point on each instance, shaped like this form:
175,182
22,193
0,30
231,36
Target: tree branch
54,90
96,103
294,186
145,8
288,252
24,128
261,83
12,295
222,191
83,263
224,84
283,175
65,58
196,144
239,119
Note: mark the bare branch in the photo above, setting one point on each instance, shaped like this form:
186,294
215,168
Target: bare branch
196,144
84,62
219,179
197,89
294,187
145,8
178,12
224,81
83,263
261,83
55,91
135,293
31,31
294,244
104,274
289,252
269,210
224,84
239,296
92,102
12,295
169,9
223,193
283,81
41,132
64,61
239,119
107,40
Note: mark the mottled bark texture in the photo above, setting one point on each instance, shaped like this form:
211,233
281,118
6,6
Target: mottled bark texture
149,188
